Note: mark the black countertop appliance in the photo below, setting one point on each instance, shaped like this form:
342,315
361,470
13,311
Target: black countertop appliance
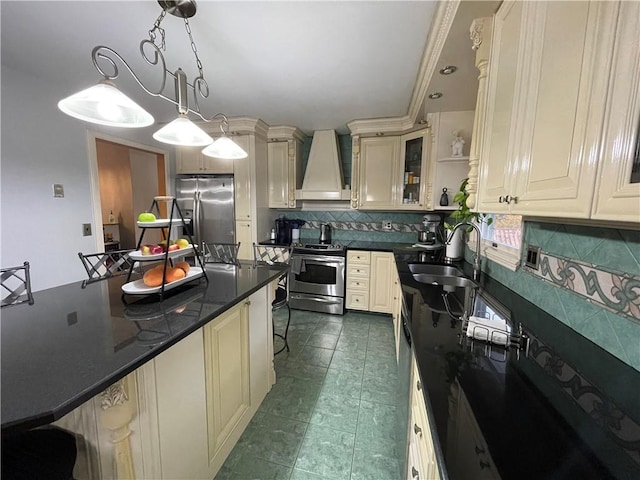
283,231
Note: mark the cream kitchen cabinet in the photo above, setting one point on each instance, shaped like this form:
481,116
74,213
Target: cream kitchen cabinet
244,235
242,182
422,456
392,172
469,449
284,166
226,350
381,287
378,187
371,281
546,88
617,195
191,160
358,276
243,201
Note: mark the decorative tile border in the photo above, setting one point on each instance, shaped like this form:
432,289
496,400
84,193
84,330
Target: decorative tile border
616,292
365,226
623,429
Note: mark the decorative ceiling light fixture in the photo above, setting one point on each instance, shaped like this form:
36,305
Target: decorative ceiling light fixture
104,104
435,95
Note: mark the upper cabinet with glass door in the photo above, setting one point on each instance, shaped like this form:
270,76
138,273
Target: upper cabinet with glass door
413,153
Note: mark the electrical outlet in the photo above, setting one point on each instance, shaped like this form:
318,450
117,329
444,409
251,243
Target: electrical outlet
72,318
533,257
386,225
86,229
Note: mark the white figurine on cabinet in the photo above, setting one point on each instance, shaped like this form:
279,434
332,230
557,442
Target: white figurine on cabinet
457,144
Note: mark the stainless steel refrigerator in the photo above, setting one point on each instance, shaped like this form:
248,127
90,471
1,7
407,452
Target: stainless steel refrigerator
208,201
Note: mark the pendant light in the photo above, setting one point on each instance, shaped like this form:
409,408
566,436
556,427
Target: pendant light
224,147
104,104
183,131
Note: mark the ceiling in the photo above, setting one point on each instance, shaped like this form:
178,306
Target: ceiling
314,65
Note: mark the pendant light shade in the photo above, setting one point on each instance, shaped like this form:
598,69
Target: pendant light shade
183,131
225,148
104,104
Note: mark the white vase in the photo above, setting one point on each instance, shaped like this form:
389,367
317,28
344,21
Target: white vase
455,248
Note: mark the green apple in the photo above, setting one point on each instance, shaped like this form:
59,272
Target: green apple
146,217
145,250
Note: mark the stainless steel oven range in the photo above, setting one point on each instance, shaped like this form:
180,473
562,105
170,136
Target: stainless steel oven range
317,278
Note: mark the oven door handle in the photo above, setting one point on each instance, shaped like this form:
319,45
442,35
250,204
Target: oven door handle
322,259
315,299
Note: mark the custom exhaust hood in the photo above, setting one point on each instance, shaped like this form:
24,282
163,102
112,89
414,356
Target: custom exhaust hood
323,176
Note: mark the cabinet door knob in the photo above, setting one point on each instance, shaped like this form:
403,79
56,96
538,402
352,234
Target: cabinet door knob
501,199
419,385
416,429
415,473
479,450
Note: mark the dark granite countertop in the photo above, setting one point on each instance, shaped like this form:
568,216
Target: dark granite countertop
72,342
566,409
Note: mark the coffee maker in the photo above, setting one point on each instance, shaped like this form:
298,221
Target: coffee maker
431,236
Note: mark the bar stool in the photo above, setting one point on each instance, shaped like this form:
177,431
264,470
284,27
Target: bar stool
103,265
221,253
272,255
16,285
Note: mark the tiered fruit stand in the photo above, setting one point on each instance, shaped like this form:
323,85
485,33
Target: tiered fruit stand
176,219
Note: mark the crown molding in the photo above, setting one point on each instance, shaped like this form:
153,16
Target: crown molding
237,125
380,125
285,132
440,26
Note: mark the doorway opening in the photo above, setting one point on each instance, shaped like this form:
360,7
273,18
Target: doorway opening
126,178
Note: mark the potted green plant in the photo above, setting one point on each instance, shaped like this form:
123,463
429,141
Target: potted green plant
463,214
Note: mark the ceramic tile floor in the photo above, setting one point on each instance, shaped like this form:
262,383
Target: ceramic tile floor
331,414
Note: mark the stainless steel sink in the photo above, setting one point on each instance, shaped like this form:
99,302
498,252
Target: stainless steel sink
444,280
445,275
438,270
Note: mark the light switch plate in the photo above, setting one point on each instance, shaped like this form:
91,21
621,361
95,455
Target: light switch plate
58,190
86,229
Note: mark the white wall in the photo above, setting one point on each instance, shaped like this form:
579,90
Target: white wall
42,146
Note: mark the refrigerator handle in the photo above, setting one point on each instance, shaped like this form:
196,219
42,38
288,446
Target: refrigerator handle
196,217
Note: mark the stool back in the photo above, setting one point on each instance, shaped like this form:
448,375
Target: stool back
16,285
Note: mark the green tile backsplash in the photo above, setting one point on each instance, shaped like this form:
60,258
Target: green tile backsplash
573,293
350,225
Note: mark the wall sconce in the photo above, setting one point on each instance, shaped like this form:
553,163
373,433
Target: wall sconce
104,104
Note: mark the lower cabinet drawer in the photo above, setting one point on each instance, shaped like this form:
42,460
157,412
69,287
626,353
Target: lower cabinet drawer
357,300
358,270
358,283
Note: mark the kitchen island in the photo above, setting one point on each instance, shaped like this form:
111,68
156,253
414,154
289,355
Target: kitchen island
189,371
561,407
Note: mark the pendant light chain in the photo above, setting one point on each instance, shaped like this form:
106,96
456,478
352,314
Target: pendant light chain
193,47
156,26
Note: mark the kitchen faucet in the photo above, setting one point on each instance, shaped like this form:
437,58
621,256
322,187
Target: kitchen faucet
476,258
